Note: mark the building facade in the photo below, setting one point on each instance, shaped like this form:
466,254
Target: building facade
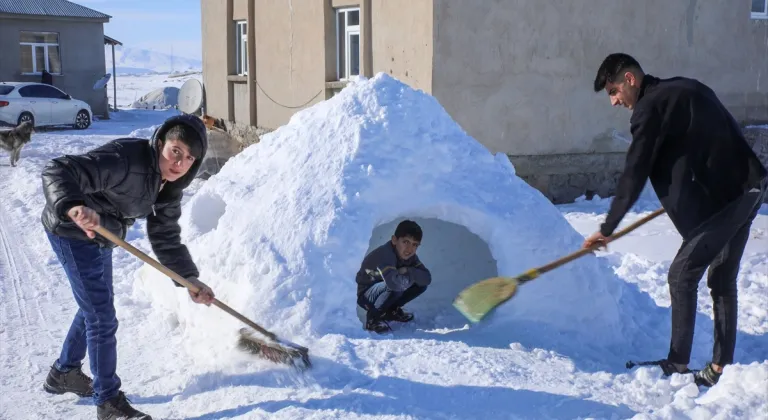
516,75
61,37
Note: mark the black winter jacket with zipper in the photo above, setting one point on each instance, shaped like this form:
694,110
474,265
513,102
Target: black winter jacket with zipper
690,147
121,181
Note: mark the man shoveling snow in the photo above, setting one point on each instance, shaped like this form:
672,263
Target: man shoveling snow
111,186
711,185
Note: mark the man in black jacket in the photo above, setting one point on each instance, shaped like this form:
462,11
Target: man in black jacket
391,276
111,186
710,183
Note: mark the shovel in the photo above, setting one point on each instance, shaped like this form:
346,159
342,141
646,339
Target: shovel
275,350
479,299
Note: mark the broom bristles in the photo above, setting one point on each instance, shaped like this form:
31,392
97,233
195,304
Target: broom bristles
479,299
297,357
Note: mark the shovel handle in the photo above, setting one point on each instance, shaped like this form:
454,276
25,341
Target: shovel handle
531,274
179,279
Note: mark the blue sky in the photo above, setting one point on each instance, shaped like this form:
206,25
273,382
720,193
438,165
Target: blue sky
157,25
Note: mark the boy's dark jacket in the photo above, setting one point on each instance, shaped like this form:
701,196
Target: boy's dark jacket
691,148
121,181
385,259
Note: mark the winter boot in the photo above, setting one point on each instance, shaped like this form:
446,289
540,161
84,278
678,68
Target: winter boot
398,315
377,325
74,381
118,408
707,377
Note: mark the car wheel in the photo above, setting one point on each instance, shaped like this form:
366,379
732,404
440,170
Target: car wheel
24,117
82,120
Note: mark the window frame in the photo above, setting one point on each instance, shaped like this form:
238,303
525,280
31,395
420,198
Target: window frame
241,48
45,46
349,31
759,15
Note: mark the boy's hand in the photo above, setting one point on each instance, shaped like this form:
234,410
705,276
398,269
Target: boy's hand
403,270
85,218
204,296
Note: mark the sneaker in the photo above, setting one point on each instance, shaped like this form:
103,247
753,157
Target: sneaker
377,325
670,368
398,315
118,408
707,377
74,381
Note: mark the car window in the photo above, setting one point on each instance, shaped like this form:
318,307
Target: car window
51,92
41,91
30,91
4,90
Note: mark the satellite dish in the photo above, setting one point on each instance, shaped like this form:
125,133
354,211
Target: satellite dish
191,96
102,82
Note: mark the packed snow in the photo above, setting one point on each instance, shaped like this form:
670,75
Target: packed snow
279,234
162,98
149,91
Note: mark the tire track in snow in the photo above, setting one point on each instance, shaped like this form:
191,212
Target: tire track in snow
22,284
10,270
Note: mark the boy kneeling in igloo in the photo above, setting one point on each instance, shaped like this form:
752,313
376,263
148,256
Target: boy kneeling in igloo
389,277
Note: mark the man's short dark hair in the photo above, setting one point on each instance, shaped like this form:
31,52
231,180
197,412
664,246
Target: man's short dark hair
612,67
187,136
408,228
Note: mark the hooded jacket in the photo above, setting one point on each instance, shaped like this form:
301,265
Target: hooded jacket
121,181
691,148
382,264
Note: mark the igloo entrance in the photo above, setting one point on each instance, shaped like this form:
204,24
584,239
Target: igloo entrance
456,258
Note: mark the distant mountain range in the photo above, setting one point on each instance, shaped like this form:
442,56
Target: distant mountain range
139,61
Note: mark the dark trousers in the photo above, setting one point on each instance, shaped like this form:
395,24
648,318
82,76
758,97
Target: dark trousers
378,299
89,269
718,243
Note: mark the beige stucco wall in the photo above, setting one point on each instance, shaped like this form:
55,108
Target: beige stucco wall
518,74
290,58
217,56
239,9
402,35
81,46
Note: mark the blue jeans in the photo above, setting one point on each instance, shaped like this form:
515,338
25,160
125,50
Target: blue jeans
378,299
89,269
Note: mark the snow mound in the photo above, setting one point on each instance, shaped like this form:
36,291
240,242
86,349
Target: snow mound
161,98
144,132
280,231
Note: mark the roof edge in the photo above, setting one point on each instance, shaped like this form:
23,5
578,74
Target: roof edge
48,17
93,10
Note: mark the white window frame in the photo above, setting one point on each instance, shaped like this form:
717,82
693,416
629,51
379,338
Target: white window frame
241,47
760,15
45,45
349,30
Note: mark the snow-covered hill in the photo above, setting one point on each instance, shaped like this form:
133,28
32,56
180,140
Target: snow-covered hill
140,61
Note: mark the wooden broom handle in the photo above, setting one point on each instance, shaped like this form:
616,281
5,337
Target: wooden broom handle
181,280
584,251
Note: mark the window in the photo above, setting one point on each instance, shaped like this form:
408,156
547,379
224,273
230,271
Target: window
40,51
41,91
4,90
348,42
241,47
759,9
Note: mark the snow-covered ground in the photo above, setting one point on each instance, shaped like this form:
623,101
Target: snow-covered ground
278,242
131,88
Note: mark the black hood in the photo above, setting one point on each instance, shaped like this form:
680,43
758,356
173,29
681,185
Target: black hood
196,124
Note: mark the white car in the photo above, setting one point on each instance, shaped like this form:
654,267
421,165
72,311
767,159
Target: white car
41,104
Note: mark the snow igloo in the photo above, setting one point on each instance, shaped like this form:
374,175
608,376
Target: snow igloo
281,230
